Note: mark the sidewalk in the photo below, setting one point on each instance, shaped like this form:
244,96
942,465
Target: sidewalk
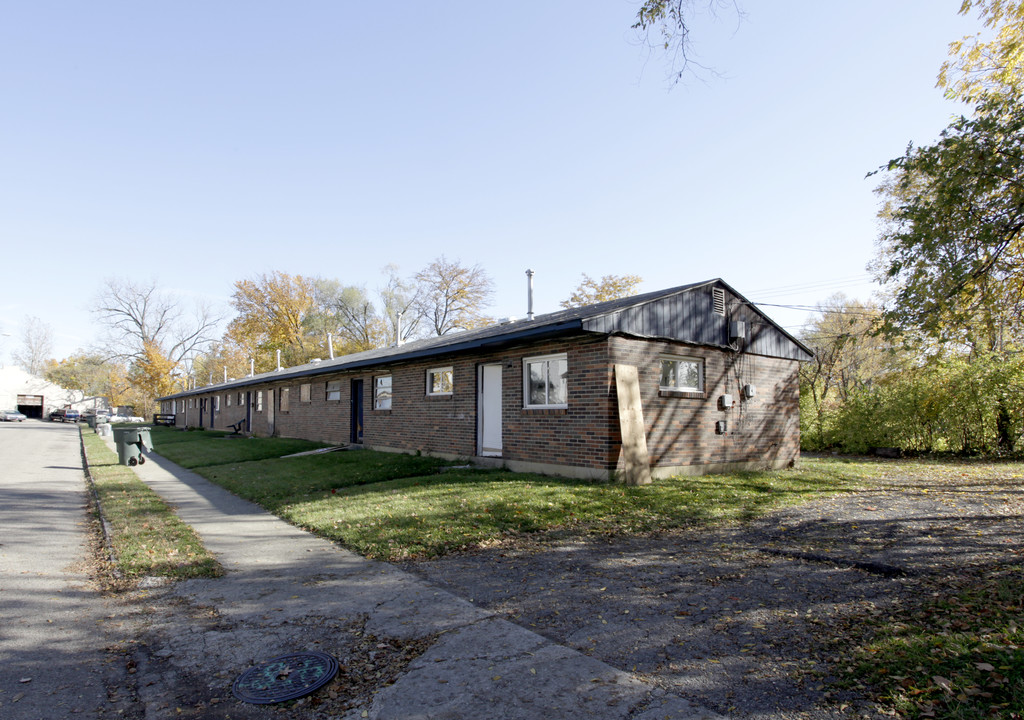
288,591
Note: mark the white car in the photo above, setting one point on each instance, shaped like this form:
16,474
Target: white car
12,416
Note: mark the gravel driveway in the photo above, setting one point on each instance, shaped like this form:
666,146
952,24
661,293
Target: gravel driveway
751,619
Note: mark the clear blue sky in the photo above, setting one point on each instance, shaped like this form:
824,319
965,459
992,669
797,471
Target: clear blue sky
200,143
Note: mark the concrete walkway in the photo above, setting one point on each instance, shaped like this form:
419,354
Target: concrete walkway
281,582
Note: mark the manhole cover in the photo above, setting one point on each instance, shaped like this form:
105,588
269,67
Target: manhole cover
285,678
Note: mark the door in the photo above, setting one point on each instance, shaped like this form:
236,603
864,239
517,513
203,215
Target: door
356,402
248,412
489,410
202,411
270,412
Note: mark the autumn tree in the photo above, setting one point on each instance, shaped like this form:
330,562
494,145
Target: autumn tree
452,296
981,68
153,374
272,310
36,346
609,287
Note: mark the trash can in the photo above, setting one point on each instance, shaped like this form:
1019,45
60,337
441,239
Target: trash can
129,446
103,429
91,420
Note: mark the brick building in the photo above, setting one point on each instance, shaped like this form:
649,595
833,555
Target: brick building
689,380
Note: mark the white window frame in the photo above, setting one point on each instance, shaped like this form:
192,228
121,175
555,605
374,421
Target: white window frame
336,392
381,396
227,399
434,374
546,361
677,360
216,403
259,401
285,399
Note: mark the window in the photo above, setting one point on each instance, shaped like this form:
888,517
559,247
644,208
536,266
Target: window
216,403
382,393
227,400
285,398
683,374
544,381
240,400
334,390
259,401
439,381
304,391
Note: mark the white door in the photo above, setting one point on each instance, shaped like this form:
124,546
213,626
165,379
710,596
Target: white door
489,415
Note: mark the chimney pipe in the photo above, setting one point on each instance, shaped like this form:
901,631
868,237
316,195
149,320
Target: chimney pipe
398,338
529,294
278,359
252,367
225,373
330,345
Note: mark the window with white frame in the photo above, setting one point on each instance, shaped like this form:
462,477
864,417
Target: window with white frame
545,381
334,390
216,403
285,399
227,400
439,381
684,374
240,400
304,392
259,401
382,392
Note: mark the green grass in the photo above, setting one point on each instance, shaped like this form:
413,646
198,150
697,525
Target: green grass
390,506
146,537
959,654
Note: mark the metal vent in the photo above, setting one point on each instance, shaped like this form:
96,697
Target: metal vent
718,300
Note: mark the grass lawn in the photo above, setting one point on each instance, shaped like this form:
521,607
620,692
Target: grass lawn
146,537
389,506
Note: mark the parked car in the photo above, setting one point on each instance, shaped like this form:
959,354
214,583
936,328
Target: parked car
65,415
11,416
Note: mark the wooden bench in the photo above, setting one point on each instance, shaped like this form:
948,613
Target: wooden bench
163,419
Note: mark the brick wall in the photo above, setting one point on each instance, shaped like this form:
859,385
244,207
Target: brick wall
681,430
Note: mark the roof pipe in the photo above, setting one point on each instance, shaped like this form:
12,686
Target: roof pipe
330,345
529,294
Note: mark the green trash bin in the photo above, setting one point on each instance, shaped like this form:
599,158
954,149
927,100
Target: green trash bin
129,446
91,419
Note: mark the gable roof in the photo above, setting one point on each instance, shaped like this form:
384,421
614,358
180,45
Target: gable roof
678,313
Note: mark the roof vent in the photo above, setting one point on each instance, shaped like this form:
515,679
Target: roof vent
315,361
718,300
507,320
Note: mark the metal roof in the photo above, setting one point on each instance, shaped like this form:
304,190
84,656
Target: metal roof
672,314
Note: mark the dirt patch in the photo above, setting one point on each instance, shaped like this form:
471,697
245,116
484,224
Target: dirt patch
760,618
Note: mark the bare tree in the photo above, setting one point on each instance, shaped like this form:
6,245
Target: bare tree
36,346
139,318
452,297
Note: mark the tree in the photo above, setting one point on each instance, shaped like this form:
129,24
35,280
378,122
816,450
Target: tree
952,244
848,356
153,374
452,297
978,68
272,310
138,316
37,346
609,287
348,314
669,22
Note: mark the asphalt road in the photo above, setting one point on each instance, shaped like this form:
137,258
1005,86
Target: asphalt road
51,621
